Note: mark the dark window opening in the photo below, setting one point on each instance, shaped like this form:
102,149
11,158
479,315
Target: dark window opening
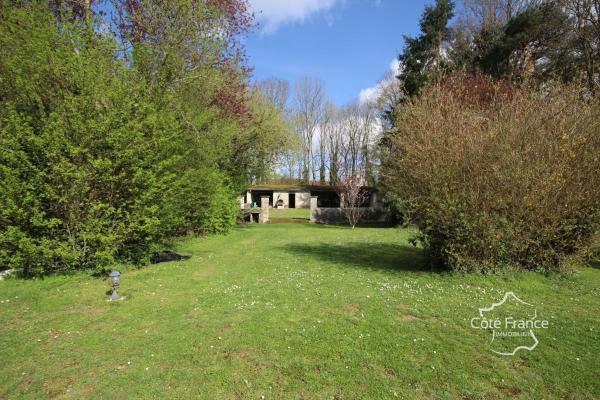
256,195
326,199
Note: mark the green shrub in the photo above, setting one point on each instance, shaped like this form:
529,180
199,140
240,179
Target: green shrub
498,177
208,202
95,166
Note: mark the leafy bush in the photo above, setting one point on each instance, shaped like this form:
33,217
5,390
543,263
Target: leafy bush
97,164
498,177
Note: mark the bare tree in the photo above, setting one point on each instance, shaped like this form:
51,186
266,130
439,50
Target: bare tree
353,138
309,104
331,131
360,128
368,127
292,155
275,91
585,21
578,40
326,130
478,14
324,137
390,97
353,196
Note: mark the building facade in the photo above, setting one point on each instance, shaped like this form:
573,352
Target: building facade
290,196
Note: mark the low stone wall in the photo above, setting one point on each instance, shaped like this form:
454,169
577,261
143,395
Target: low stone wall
322,215
336,215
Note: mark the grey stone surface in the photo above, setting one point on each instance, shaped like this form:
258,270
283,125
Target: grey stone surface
264,213
336,215
313,209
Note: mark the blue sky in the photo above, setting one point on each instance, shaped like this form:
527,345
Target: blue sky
349,44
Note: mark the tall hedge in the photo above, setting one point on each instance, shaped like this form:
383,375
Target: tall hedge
499,177
96,166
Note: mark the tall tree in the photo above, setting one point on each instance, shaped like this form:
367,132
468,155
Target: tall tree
331,129
530,40
524,42
423,56
275,91
356,150
326,130
179,42
79,9
309,105
369,127
583,50
477,14
391,94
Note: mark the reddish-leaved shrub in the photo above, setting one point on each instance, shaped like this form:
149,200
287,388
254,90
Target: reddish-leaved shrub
498,177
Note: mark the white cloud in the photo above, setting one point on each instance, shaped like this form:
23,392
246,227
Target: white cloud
274,13
395,66
370,94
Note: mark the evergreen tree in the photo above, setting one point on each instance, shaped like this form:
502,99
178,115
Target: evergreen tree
422,58
516,51
536,42
421,61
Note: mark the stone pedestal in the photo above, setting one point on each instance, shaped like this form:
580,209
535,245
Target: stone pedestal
313,209
264,213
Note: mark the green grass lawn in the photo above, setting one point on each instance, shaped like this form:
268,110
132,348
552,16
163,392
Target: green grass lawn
289,215
293,311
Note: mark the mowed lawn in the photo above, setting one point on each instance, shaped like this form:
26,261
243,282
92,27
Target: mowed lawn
289,215
293,311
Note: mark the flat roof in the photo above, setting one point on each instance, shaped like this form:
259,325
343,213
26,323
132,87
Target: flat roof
297,188
284,187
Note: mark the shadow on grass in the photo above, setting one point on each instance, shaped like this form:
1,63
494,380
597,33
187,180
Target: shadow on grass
383,256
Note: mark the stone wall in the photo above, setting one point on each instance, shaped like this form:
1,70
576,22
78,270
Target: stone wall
302,199
336,216
283,196
264,210
322,215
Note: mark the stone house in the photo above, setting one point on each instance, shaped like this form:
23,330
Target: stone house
322,200
290,196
